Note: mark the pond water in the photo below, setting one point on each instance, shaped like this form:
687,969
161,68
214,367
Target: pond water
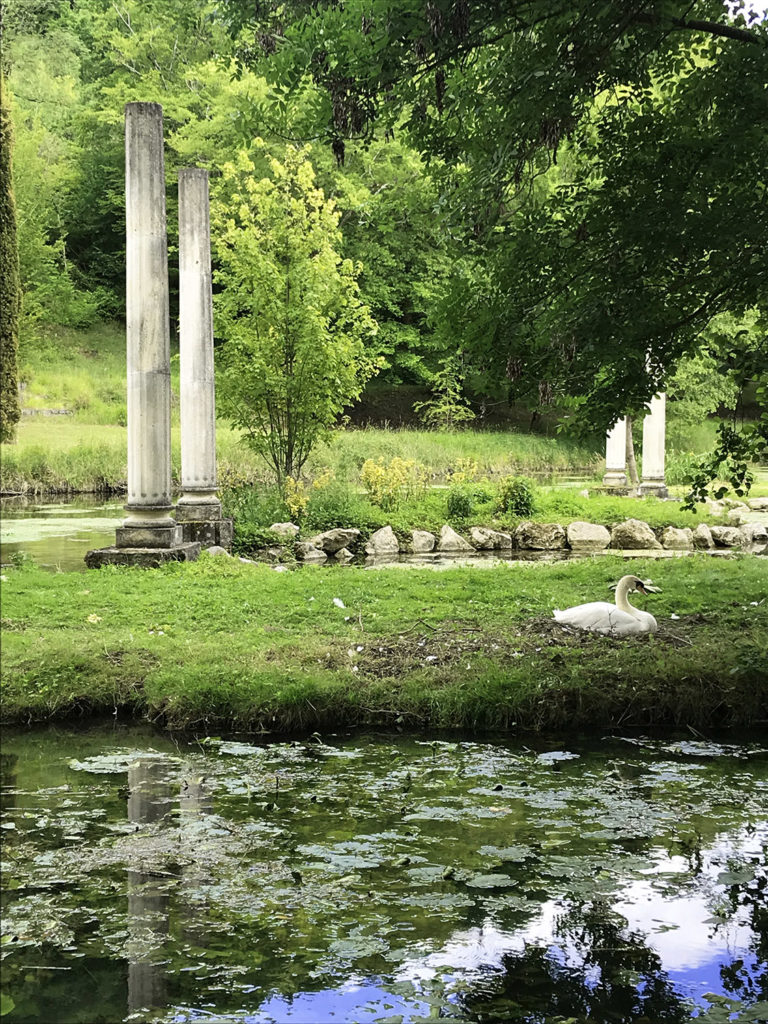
56,533
382,878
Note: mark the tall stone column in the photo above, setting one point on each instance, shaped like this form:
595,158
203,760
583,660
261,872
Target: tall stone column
654,438
616,455
149,523
199,499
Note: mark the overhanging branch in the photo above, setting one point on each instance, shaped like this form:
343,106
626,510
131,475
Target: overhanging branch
712,28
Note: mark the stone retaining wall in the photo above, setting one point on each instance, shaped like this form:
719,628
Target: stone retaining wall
578,537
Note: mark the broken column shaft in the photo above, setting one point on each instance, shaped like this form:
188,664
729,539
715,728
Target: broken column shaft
616,455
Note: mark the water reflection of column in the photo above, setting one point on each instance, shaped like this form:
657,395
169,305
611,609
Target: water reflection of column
148,901
195,803
616,455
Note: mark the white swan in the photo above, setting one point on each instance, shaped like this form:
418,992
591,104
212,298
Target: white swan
619,619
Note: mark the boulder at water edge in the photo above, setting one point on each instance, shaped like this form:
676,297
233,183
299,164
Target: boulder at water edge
422,541
633,534
334,540
289,531
587,536
307,552
726,536
450,541
677,539
485,539
382,542
754,533
702,537
540,536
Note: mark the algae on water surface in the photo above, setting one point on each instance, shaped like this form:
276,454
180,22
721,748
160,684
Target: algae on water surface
378,876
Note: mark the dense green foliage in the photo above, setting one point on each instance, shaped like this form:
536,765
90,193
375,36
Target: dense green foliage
10,290
605,163
269,649
546,203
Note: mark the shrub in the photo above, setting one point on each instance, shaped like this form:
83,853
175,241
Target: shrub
389,485
460,503
337,505
253,507
296,498
466,471
517,496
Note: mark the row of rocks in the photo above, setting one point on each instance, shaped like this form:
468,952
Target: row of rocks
633,534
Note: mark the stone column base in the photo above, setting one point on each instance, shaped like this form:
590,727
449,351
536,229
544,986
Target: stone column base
209,532
657,487
147,535
614,478
144,558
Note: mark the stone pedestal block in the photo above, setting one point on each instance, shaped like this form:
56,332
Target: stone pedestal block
198,511
144,558
209,532
148,535
656,487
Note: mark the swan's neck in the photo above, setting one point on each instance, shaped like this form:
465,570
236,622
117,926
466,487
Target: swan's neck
622,600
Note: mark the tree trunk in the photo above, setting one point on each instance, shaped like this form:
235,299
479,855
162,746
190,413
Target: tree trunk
632,477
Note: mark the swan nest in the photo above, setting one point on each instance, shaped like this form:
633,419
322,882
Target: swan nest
459,641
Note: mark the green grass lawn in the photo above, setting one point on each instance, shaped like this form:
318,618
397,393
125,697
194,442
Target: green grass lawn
222,644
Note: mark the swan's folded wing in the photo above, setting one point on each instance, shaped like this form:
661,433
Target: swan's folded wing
599,616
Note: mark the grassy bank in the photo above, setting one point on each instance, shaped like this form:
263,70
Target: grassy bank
222,644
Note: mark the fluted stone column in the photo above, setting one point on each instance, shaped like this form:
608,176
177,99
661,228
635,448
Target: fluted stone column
149,523
654,437
616,455
199,499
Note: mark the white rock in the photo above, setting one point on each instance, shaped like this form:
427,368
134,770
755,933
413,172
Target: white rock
216,551
702,537
754,533
758,504
309,553
485,539
287,530
726,536
677,539
583,536
334,540
383,542
451,541
422,541
633,534
344,555
540,536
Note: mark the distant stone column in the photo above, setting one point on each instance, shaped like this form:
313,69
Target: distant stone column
654,438
616,455
199,499
149,523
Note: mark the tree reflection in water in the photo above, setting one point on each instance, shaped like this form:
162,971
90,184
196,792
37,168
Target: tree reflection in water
598,971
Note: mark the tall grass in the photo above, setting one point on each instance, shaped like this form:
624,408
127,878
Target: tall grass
497,453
